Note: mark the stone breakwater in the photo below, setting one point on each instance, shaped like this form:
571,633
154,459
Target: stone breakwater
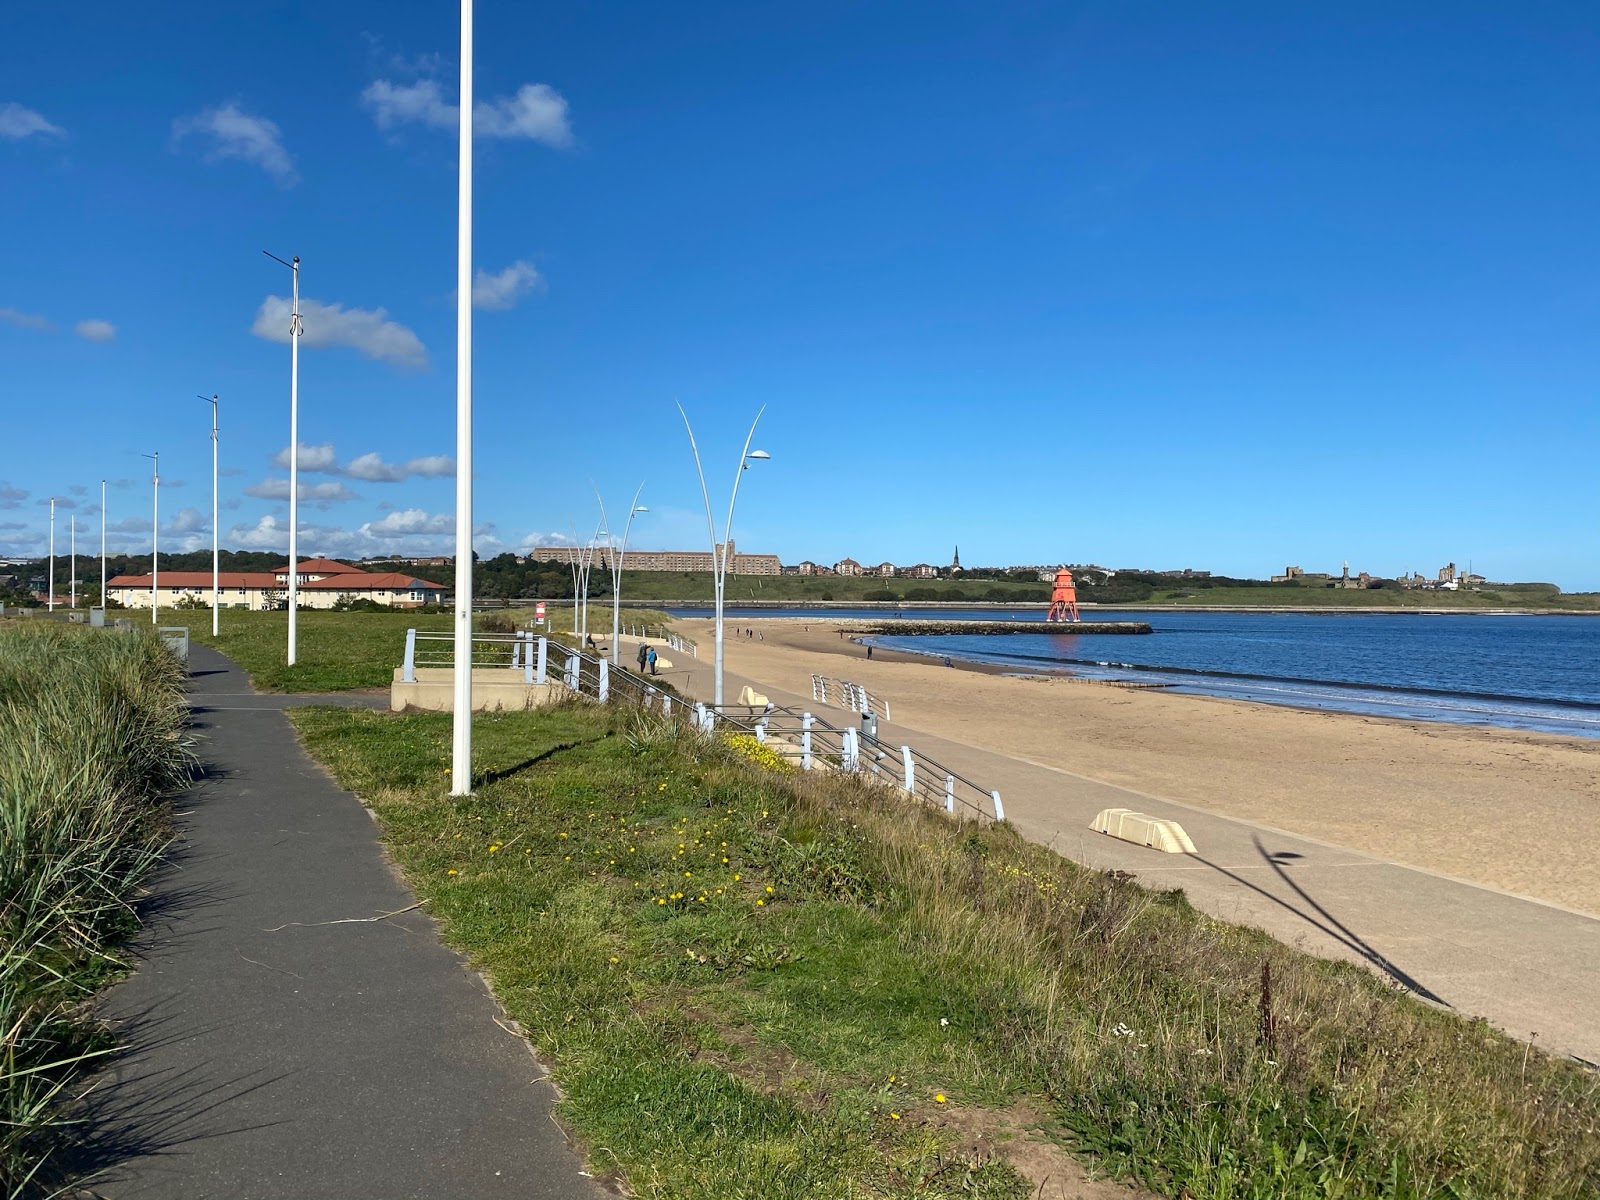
947,627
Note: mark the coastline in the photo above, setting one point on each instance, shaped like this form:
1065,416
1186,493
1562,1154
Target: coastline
1511,809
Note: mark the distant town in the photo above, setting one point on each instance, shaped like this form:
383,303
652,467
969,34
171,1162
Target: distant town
252,580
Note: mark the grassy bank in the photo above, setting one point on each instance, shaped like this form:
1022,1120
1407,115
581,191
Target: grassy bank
752,982
91,743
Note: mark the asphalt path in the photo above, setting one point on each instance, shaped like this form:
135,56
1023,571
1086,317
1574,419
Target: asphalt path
279,1042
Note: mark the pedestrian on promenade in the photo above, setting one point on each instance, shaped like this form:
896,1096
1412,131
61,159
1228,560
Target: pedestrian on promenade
644,654
869,651
652,660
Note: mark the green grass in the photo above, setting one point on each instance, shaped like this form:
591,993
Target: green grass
344,651
91,744
758,983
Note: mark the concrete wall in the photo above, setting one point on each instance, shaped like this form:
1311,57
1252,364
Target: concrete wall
492,688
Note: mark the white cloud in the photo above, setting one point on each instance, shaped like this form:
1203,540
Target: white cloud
501,291
312,458
537,112
96,331
369,468
233,133
17,123
373,469
319,494
368,330
409,522
62,502
78,489
11,497
22,320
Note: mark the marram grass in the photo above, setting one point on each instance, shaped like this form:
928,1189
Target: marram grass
91,743
781,984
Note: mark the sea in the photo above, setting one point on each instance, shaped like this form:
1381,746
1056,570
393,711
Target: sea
1526,672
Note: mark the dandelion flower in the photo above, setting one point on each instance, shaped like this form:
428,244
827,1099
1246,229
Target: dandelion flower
737,878
894,1116
938,1097
759,903
614,958
452,870
769,889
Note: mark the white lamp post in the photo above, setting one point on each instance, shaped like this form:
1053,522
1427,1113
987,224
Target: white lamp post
216,554
719,556
461,748
295,331
72,567
102,546
155,533
50,585
615,554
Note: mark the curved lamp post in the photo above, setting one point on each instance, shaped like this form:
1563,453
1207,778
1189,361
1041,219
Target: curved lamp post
719,556
614,556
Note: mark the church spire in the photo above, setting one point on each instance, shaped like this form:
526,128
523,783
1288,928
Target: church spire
956,565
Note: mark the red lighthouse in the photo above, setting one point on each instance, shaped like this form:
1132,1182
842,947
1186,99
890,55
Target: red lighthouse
1064,599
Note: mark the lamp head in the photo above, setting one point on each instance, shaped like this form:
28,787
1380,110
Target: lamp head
641,508
758,454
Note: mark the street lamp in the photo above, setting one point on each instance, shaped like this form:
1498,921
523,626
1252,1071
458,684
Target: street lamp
719,557
50,586
216,555
102,547
295,331
614,556
72,569
155,534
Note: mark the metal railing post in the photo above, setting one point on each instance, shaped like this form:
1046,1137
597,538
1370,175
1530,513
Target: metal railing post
666,704
852,750
805,741
911,769
700,715
573,675
410,672
999,810
541,676
605,680
950,793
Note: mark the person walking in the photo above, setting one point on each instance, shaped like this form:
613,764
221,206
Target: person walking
644,656
652,660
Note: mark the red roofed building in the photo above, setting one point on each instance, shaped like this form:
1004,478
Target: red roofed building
323,584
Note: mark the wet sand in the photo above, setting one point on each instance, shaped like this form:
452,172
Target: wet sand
1512,810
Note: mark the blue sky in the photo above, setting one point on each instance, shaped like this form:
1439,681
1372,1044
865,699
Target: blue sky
1226,286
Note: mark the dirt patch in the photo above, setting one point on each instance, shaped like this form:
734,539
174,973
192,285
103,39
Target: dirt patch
1015,1135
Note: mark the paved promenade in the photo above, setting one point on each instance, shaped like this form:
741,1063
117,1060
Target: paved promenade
277,1052
1527,967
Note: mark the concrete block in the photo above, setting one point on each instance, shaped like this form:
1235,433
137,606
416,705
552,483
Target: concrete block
1143,830
492,688
748,695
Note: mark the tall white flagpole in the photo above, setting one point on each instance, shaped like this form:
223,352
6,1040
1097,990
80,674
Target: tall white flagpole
72,569
216,558
461,750
294,462
155,537
102,545
50,586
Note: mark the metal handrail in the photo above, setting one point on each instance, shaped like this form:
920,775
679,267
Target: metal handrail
815,740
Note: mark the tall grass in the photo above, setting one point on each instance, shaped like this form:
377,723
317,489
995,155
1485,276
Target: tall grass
91,741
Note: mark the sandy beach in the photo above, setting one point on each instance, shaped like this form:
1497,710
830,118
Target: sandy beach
1511,810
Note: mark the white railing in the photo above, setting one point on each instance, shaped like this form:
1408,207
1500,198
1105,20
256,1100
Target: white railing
812,742
852,696
661,633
